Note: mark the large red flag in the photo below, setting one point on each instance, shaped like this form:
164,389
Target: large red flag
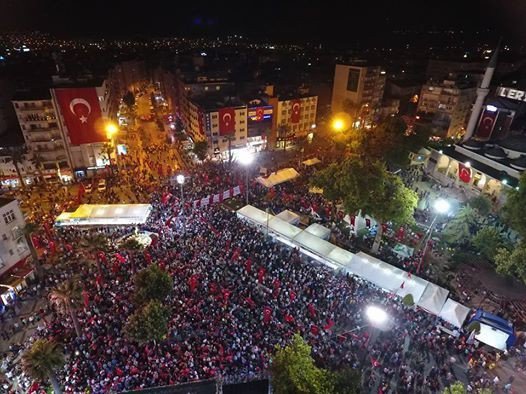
486,125
227,121
312,310
261,275
296,112
82,115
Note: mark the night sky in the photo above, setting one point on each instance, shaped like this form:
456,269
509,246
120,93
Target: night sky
287,20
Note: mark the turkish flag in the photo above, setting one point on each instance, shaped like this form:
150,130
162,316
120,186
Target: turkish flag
296,111
402,285
227,121
314,329
82,115
267,314
486,124
260,113
464,173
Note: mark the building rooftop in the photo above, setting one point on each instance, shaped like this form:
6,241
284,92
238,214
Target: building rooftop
32,94
4,201
212,102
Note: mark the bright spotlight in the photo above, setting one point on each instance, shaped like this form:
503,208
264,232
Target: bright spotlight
441,205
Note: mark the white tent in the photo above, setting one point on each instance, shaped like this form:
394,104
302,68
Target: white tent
314,244
311,162
289,217
283,228
341,257
454,313
492,337
254,215
105,215
319,231
433,299
387,276
285,175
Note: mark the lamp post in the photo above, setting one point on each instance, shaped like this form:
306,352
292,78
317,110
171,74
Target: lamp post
441,206
246,159
180,180
111,130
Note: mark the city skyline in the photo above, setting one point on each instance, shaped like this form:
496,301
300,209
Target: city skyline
288,22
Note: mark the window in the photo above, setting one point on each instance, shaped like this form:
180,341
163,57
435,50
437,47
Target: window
206,87
4,237
241,121
218,87
9,216
243,129
284,112
242,137
214,116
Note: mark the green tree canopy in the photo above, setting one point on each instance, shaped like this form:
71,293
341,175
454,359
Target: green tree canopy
481,204
512,263
487,241
201,149
41,361
347,381
67,297
152,283
458,231
131,243
368,187
513,209
294,372
455,388
149,323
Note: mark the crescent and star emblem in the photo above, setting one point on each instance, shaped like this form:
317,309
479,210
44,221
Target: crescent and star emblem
487,121
225,121
295,108
80,101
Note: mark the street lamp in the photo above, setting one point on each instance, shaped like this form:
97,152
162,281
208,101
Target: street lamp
111,130
441,206
246,159
376,316
180,180
338,125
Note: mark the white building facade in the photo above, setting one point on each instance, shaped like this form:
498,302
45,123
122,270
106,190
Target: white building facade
13,247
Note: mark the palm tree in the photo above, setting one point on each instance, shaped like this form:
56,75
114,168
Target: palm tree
38,161
95,243
65,297
16,156
28,230
41,360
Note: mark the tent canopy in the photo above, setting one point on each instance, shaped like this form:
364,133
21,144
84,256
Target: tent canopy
254,215
311,162
319,231
387,276
104,215
454,313
314,244
283,228
289,217
433,299
285,175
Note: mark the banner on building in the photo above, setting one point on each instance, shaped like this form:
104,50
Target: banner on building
216,198
296,111
464,173
82,115
227,121
259,114
486,124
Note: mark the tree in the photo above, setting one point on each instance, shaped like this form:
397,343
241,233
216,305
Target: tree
66,297
152,283
201,149
368,187
293,370
392,141
16,156
149,323
455,388
347,381
41,361
38,161
481,204
132,244
106,151
28,231
513,209
487,241
129,99
460,229
512,263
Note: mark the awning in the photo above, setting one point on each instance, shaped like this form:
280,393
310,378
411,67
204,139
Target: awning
105,215
454,313
289,217
276,178
319,231
314,244
311,162
254,215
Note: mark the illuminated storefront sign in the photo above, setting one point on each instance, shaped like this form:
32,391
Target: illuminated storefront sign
513,94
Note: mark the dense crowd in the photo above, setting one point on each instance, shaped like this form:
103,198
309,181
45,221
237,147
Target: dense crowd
237,294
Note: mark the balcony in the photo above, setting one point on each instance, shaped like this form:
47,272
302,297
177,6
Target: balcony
51,138
48,149
39,117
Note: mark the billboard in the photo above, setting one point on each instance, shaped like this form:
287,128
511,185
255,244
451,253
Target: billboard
260,114
82,115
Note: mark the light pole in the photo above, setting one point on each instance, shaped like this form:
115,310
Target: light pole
441,206
246,159
180,180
